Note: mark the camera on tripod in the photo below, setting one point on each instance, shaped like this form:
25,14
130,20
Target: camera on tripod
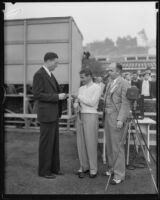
137,102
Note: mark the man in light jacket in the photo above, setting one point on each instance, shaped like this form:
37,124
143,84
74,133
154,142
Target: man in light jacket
117,110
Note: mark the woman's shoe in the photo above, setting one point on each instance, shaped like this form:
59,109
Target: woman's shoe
92,175
78,172
115,181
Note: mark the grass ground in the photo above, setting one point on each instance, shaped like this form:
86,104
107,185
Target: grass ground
21,152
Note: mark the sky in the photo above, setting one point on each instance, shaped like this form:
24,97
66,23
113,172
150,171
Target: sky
96,20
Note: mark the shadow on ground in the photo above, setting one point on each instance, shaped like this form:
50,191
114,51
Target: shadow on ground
21,153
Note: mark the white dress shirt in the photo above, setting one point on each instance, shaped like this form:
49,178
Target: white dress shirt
129,82
48,72
89,96
145,88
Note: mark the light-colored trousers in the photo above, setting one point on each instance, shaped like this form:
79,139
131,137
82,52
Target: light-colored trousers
87,139
113,138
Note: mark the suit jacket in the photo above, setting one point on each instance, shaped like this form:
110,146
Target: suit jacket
116,100
153,89
136,83
45,91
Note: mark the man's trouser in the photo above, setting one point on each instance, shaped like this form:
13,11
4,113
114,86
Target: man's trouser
87,139
113,138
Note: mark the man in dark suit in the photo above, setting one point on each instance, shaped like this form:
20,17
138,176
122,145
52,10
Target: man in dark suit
153,86
46,93
135,81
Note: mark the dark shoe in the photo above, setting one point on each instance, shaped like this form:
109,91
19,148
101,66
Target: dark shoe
92,175
52,176
86,172
82,175
78,172
115,181
59,173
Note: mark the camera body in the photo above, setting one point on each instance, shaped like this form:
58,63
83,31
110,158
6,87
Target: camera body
137,101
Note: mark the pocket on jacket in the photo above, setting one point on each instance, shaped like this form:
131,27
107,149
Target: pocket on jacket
113,118
118,92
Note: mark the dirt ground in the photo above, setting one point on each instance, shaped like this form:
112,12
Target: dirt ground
21,152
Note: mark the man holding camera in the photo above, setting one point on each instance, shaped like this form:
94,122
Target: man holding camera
117,109
46,93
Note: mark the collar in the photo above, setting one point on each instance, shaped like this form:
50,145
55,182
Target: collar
115,84
89,84
146,80
48,72
115,80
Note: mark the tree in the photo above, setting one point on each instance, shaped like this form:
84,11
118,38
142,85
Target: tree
109,43
124,46
126,42
95,66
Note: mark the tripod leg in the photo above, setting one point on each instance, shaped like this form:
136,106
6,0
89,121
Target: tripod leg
108,182
128,143
148,139
149,168
136,141
104,147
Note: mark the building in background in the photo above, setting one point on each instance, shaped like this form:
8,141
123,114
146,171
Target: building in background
132,63
26,42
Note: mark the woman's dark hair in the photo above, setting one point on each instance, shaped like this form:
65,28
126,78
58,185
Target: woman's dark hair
86,71
50,56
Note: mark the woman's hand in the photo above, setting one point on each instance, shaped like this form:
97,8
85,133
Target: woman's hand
74,96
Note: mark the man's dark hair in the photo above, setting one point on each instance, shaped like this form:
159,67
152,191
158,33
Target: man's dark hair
50,56
86,71
134,73
140,75
119,67
146,72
